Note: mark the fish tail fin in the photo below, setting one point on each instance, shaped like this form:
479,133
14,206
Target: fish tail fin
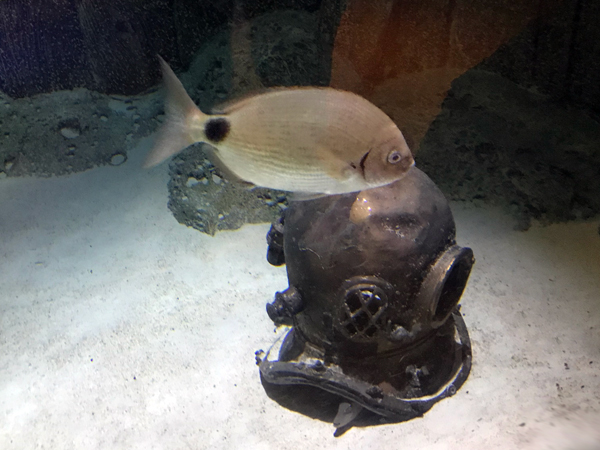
181,113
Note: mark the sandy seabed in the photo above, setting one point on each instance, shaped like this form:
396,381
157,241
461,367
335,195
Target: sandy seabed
122,329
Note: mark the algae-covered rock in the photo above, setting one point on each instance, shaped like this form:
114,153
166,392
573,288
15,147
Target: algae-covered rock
202,198
71,131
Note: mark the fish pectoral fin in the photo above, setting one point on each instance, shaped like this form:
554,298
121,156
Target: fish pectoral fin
336,167
213,155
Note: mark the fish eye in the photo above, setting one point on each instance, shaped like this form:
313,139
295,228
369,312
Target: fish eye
394,157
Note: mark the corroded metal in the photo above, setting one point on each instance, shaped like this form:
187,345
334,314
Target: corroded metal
374,284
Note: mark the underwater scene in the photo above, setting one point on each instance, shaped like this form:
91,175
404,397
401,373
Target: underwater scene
346,224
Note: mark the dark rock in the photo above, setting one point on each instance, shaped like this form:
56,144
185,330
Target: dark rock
252,8
497,142
522,128
557,54
286,48
196,22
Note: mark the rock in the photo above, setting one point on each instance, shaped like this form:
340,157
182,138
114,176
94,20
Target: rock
191,182
286,48
196,22
69,133
122,106
117,159
62,118
211,207
497,142
558,54
521,129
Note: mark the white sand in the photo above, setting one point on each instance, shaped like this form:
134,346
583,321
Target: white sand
122,329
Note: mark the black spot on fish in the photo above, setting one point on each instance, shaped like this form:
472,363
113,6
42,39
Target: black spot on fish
216,129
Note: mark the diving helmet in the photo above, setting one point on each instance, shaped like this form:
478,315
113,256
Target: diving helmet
373,329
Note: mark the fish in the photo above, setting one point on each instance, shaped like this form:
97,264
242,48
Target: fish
306,140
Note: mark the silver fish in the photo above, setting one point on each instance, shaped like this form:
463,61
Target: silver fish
309,140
